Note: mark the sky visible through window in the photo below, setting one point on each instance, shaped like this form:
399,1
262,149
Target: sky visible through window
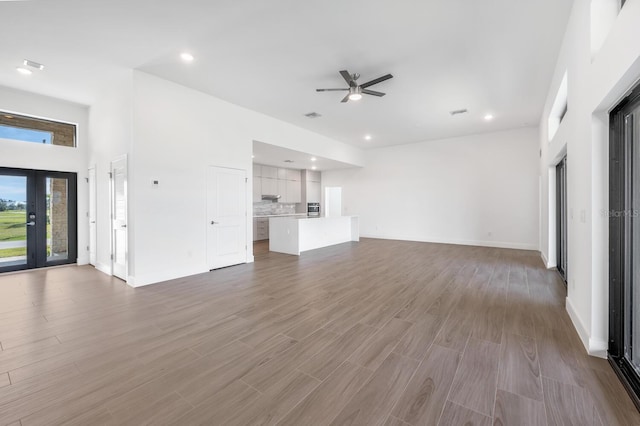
24,135
13,188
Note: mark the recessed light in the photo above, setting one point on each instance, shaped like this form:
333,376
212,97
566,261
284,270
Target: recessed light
367,137
24,71
488,117
187,57
313,158
253,156
313,167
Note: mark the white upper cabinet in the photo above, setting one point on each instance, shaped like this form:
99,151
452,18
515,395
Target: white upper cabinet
313,176
293,174
282,191
294,191
269,186
313,192
277,181
257,189
282,174
269,172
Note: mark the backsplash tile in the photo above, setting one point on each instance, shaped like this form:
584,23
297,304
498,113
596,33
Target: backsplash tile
263,208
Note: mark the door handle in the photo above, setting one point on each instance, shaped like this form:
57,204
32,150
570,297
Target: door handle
123,226
214,222
32,223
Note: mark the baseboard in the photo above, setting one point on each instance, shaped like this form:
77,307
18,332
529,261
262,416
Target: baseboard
479,243
593,347
598,348
103,268
545,261
250,259
84,260
158,277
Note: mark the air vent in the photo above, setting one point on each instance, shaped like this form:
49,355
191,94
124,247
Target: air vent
458,111
313,115
33,64
288,161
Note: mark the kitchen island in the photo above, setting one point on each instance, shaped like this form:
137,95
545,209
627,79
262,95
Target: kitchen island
293,235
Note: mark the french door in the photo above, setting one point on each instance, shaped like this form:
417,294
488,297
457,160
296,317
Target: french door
624,242
37,219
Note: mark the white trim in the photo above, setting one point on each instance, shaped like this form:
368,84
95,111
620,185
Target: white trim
103,268
593,347
577,323
545,261
496,244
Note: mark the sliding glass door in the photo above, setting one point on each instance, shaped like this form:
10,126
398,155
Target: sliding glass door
624,242
37,219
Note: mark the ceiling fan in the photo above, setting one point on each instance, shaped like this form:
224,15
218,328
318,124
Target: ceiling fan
357,90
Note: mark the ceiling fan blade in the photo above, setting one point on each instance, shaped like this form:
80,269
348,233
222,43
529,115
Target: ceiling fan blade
347,77
372,92
376,81
330,90
345,99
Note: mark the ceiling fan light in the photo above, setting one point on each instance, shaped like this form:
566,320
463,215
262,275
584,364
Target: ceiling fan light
355,97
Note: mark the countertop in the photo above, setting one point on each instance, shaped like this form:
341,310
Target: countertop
280,215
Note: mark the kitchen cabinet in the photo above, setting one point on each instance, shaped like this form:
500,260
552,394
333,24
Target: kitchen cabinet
269,186
293,174
282,174
313,176
269,172
313,192
282,190
294,191
257,189
276,181
261,228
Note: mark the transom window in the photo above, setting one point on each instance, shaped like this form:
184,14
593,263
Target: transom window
35,130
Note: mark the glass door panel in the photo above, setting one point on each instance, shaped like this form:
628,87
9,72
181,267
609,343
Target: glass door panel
37,219
57,217
13,221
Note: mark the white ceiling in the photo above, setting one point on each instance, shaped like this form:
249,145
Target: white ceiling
491,56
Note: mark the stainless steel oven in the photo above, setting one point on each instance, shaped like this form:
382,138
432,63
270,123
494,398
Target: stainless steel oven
313,209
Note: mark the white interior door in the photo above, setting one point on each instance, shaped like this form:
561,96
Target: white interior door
92,216
119,217
226,217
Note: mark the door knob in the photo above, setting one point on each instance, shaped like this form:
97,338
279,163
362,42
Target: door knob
32,223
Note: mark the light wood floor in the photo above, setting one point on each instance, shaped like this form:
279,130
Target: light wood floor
370,333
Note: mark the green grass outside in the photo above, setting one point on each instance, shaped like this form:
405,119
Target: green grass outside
12,252
13,228
12,225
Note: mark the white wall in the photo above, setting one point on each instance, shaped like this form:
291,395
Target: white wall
51,157
110,135
177,133
478,190
597,79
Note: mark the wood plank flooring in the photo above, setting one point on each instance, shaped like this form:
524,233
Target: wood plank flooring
370,333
